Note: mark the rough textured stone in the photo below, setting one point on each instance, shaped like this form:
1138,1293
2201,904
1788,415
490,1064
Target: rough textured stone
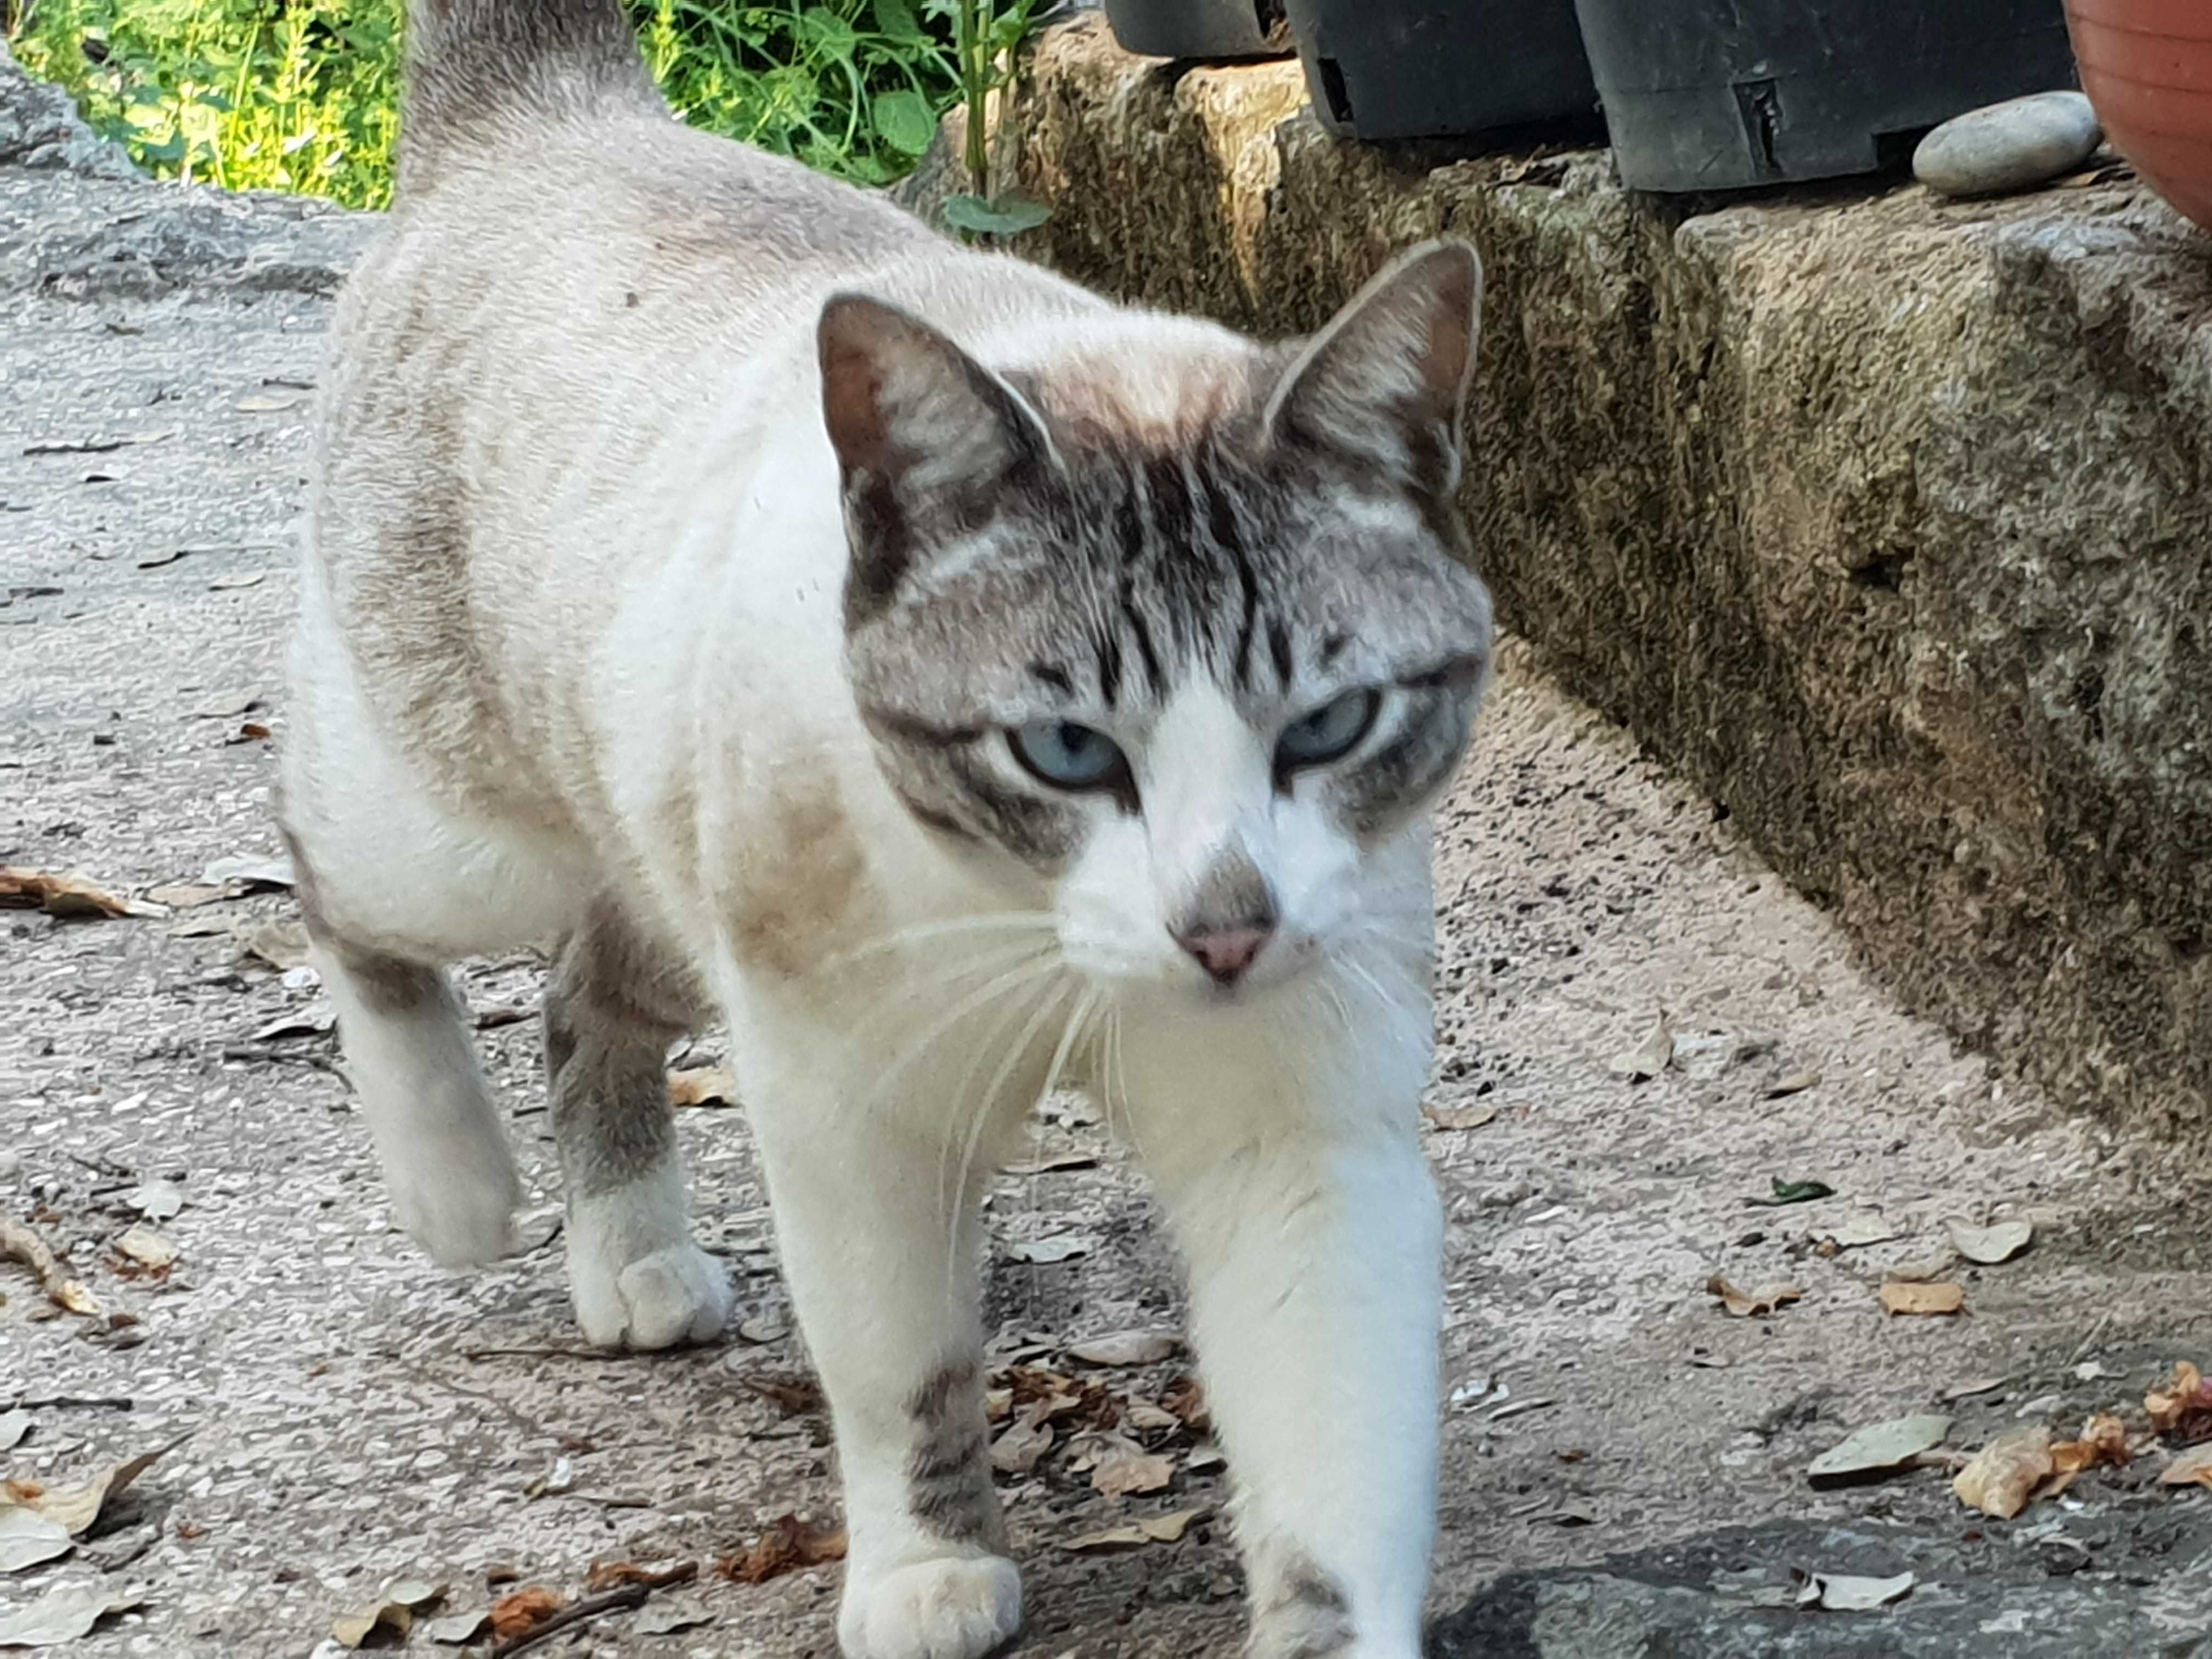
2015,145
1732,1594
39,128
1886,519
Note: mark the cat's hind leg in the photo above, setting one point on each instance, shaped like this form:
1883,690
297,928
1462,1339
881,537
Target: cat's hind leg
611,1010
447,1163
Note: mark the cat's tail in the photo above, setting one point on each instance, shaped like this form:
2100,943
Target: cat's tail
477,70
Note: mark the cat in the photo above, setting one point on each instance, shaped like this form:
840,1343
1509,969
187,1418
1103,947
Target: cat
960,685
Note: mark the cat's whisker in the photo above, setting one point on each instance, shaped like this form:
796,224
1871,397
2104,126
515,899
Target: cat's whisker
1036,966
954,1197
919,933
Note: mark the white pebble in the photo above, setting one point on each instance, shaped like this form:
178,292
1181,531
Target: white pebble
2014,145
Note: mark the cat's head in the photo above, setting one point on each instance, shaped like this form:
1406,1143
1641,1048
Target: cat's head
1177,625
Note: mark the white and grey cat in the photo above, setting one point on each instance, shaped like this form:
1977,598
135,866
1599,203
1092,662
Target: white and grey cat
958,684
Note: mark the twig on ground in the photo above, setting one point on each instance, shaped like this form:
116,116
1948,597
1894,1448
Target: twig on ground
546,1353
19,1243
103,1166
2090,1340
614,1601
55,1402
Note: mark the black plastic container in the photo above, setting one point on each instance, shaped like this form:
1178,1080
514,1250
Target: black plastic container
1200,28
1723,95
1425,69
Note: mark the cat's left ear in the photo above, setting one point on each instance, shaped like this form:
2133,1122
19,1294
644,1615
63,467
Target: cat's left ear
1383,385
927,437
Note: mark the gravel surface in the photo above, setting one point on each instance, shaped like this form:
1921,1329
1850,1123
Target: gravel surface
346,1415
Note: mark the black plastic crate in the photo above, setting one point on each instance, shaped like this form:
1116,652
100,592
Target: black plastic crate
1724,95
1200,28
1424,69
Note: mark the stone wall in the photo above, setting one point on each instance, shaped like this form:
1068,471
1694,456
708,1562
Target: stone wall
1885,520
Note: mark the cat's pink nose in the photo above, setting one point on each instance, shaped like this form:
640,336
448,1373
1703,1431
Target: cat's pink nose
1225,952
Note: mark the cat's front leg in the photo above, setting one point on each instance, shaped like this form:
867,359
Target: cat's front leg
1298,1190
878,1227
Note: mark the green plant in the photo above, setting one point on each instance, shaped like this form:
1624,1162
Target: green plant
301,95
985,36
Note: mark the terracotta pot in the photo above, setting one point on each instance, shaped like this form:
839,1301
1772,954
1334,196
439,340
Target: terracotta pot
2146,66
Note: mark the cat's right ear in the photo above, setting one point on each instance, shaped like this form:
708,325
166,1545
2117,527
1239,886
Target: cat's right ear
927,438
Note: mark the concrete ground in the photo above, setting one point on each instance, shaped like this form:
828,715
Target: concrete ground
1625,1460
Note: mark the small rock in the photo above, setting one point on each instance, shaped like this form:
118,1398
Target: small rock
2014,145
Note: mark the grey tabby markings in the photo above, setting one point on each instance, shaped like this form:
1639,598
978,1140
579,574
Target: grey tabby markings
388,984
949,1474
1307,1616
612,1007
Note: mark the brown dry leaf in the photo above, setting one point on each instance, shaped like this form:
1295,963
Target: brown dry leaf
2104,1440
1017,1450
1936,1298
2182,1404
1752,1304
793,1395
1127,1470
1125,1348
2191,1468
610,1574
69,894
519,1612
1185,1397
2004,1474
1050,1396
702,1085
1459,1117
19,1243
1152,1529
78,1507
787,1545
1142,1414
395,1612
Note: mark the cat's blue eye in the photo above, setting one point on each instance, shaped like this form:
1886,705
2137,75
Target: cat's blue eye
1329,732
1068,755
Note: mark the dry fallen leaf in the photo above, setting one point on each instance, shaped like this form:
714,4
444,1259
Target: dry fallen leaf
2193,1467
14,1426
1990,1245
1127,1470
1143,1415
27,1538
19,1243
69,894
793,1395
519,1612
2104,1440
157,1200
787,1545
1016,1451
63,1614
1648,1056
146,1247
456,1628
1936,1298
1125,1348
77,1507
612,1575
281,943
1847,1593
1752,1304
663,1616
249,873
1880,1446
1185,1398
2004,1474
1459,1117
394,1612
1795,1084
1978,1385
264,402
702,1085
1152,1529
2182,1404
1856,1232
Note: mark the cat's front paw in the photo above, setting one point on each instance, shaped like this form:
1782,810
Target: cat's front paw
671,1297
952,1607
